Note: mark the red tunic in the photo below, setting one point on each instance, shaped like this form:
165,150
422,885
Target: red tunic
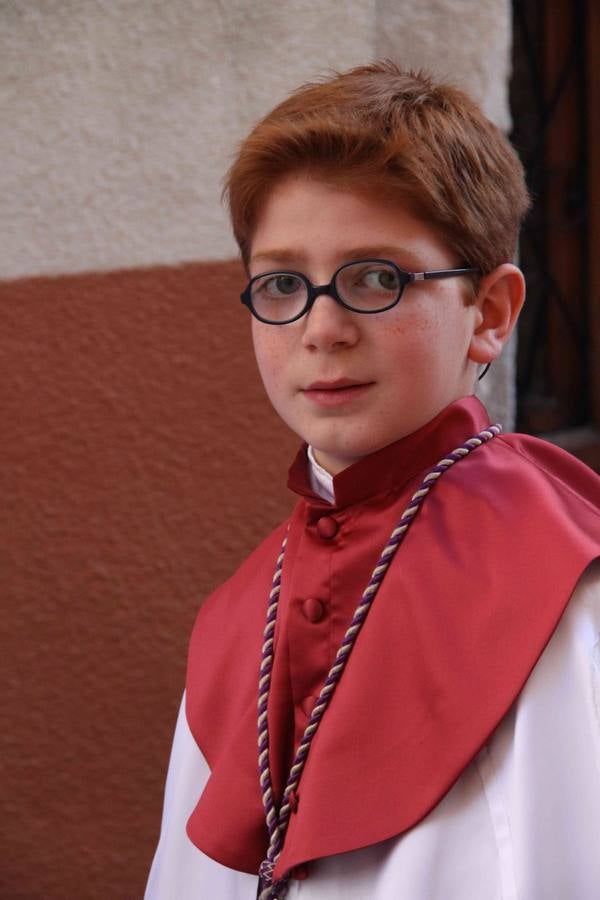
463,614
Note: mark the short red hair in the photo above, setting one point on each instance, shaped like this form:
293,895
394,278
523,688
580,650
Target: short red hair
378,127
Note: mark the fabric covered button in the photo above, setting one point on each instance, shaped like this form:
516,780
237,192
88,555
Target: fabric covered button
313,609
327,527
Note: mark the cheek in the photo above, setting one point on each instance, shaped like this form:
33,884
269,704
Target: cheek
410,341
433,334
269,350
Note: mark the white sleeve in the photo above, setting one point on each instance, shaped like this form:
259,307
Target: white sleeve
179,870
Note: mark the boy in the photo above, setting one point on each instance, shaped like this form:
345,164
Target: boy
433,729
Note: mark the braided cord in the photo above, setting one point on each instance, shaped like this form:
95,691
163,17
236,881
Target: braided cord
277,822
264,685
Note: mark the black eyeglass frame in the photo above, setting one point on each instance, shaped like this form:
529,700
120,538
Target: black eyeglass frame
314,291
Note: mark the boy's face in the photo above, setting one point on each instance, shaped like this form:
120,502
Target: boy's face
350,384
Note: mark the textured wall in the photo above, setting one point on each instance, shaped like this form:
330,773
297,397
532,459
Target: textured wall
126,415
140,461
123,113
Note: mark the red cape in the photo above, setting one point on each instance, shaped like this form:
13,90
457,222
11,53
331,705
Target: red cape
467,607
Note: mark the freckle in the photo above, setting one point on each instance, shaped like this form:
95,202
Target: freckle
398,328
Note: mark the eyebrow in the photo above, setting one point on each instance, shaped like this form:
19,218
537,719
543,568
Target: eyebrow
375,251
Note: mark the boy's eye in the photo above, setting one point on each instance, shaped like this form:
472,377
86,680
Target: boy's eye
369,285
380,279
278,296
283,285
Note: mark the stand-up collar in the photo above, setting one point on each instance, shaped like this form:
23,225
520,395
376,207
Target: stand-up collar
392,466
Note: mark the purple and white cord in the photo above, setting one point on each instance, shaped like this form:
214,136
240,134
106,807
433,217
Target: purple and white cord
277,821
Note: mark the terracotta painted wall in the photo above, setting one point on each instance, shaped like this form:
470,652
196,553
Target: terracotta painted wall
129,399
139,461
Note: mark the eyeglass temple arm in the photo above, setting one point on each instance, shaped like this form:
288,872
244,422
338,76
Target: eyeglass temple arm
440,273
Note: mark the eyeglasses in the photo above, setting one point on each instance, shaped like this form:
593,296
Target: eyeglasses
362,286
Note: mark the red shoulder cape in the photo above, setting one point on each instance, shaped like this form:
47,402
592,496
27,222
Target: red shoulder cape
468,605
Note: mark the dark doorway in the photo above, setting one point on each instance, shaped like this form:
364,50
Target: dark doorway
555,101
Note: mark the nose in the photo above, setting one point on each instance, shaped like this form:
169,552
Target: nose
329,326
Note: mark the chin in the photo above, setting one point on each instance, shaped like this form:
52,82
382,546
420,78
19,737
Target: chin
336,456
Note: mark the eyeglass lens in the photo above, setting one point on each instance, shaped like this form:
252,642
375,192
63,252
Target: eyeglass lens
364,286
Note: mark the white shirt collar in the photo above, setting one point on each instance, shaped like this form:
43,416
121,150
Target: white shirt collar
321,481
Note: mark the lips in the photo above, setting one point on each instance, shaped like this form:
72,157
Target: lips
340,392
337,385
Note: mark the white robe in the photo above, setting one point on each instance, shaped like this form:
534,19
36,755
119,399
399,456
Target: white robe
521,823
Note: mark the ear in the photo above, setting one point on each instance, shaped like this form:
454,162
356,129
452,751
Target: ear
499,300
